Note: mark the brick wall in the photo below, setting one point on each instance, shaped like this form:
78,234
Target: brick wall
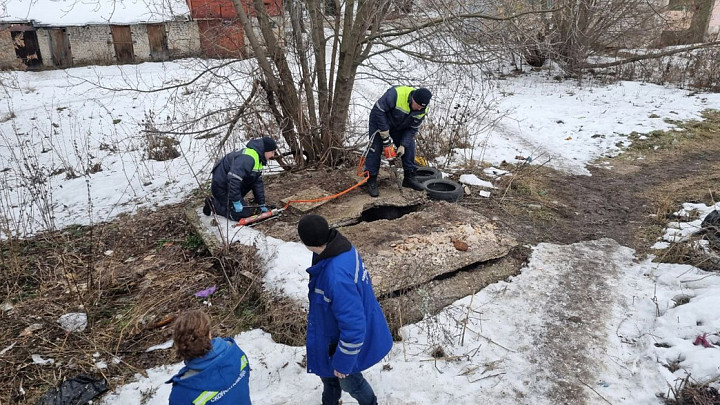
91,44
183,38
141,43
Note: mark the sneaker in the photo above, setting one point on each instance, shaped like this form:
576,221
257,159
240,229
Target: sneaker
372,186
410,182
207,208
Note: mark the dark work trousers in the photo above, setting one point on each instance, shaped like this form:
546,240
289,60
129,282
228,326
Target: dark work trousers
372,162
353,384
224,207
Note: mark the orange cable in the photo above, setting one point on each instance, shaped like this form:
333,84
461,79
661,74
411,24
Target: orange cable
365,174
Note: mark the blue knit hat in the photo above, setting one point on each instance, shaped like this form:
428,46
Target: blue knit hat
269,144
422,96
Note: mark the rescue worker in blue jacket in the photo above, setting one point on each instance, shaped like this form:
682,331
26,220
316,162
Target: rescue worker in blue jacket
216,370
235,175
347,331
396,117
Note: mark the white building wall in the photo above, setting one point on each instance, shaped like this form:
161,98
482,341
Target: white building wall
91,44
141,42
183,38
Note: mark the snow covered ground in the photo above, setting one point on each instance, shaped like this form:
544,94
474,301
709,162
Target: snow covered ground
587,315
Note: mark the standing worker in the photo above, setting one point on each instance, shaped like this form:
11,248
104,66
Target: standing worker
235,175
347,331
396,117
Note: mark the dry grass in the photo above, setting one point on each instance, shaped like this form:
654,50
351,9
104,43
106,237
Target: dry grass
688,392
132,277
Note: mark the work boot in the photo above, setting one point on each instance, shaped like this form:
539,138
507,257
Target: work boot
410,181
207,208
372,186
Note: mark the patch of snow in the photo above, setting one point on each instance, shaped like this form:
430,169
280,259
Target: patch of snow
161,346
73,322
474,180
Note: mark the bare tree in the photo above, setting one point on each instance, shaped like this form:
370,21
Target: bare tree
312,94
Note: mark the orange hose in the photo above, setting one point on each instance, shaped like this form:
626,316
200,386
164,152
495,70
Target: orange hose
364,174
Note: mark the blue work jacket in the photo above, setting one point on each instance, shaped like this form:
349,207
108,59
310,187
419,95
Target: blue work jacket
393,112
218,378
347,330
238,172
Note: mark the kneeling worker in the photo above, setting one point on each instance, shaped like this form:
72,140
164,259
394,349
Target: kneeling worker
235,175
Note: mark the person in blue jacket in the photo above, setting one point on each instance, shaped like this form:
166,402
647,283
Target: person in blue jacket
347,331
396,118
216,370
235,175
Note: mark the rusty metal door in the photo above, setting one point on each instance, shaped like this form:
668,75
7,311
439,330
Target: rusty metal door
122,39
60,48
158,41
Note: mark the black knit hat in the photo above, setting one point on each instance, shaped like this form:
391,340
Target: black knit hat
269,144
313,230
422,96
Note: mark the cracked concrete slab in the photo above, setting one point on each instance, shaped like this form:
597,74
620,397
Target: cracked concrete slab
420,246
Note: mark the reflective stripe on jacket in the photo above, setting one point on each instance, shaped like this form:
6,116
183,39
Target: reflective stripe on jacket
347,330
393,112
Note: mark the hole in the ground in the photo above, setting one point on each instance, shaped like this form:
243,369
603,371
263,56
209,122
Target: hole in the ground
469,268
387,212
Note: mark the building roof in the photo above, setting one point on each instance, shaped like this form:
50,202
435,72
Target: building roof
86,12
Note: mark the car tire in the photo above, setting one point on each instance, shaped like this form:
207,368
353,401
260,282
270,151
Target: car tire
444,190
423,174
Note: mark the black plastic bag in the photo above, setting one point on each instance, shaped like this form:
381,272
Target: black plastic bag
711,226
76,391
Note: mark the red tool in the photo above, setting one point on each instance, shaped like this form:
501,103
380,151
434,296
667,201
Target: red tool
255,219
389,152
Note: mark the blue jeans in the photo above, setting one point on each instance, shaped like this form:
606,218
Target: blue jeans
353,384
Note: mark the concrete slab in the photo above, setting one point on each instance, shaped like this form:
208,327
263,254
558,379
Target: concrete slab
420,246
311,193
348,210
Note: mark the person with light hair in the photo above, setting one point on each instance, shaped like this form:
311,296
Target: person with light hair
216,370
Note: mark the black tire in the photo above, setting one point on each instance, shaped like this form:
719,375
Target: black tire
444,190
423,174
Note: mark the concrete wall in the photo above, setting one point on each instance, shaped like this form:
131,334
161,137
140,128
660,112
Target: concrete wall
44,45
183,38
91,44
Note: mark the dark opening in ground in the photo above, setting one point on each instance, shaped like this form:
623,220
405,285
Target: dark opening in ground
472,267
387,212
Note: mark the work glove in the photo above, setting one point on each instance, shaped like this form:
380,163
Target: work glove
400,151
385,135
238,206
264,208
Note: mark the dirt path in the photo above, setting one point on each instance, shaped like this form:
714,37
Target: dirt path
569,339
629,201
